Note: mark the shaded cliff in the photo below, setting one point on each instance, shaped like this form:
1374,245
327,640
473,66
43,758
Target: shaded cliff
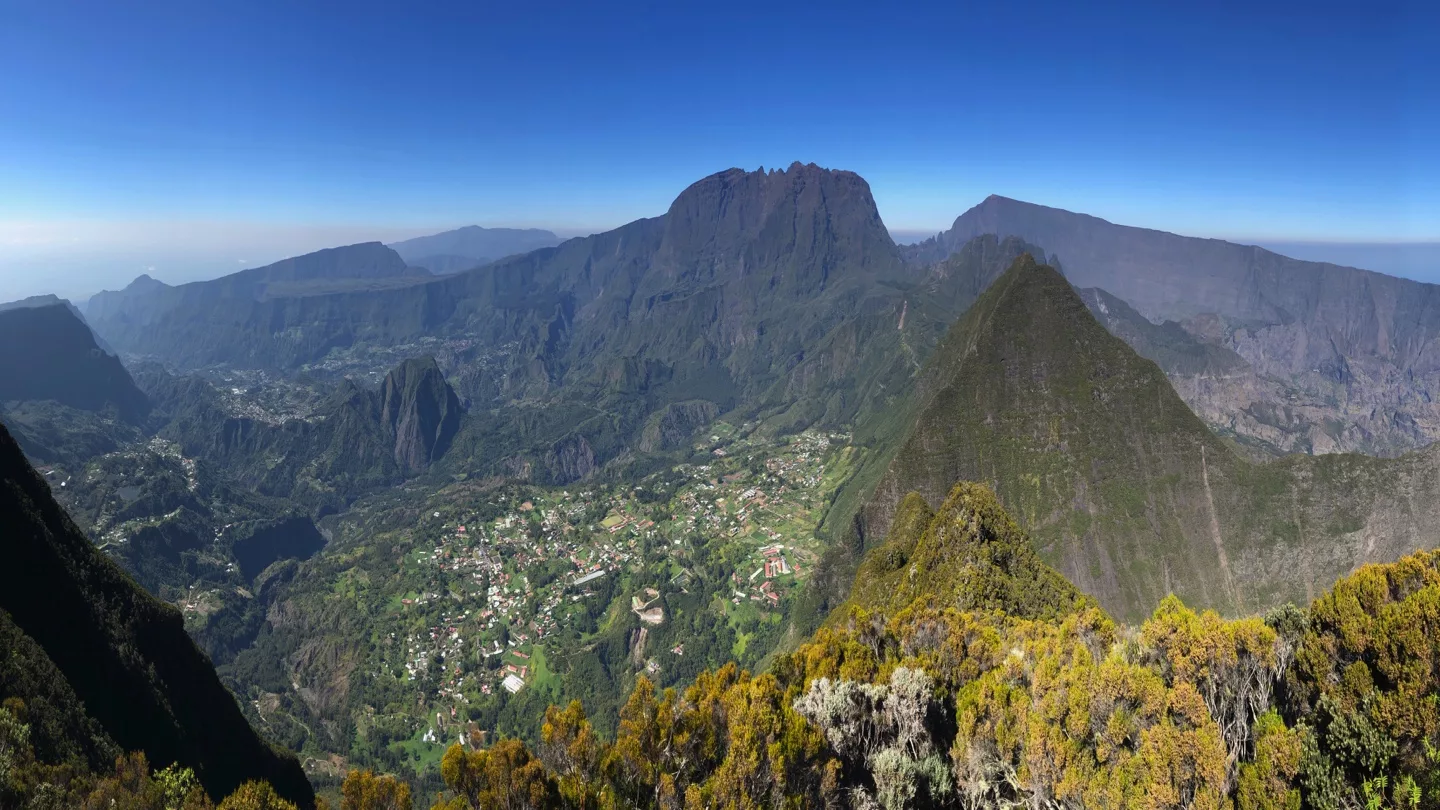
122,652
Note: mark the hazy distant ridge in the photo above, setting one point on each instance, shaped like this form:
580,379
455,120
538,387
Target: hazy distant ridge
470,246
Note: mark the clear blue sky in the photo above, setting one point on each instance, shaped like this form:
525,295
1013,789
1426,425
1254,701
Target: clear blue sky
186,127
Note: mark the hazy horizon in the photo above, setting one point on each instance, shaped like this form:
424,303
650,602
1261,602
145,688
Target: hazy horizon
173,264
152,137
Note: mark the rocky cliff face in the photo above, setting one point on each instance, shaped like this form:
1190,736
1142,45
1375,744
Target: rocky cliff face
1339,358
672,426
1121,486
358,439
421,410
1370,409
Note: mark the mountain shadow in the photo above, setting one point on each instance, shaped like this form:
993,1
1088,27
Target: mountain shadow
122,653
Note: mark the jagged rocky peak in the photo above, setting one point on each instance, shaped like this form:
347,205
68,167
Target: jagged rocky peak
792,227
736,203
421,409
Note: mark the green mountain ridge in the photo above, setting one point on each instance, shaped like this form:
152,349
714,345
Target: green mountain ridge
61,361
63,396
1122,487
1167,344
1342,359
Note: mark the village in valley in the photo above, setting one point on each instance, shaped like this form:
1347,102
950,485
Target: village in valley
504,588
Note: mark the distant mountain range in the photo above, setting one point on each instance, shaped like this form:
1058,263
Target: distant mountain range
471,246
779,296
1333,358
151,318
778,291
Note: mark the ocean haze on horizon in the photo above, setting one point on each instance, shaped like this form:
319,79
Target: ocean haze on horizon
77,260
40,258
1414,260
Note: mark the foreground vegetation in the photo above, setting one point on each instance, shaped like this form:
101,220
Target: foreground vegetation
1010,691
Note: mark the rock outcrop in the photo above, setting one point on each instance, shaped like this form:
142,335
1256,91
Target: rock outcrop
421,410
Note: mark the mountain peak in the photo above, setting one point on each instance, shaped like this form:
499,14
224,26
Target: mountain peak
421,409
770,185
1029,393
144,282
744,218
450,249
969,554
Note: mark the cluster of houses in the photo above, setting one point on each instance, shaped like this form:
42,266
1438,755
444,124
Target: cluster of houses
495,560
263,397
509,581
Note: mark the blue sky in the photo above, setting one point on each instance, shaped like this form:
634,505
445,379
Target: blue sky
186,135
